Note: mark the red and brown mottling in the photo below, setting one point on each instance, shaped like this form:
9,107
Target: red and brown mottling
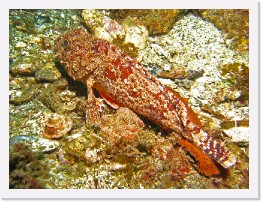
125,82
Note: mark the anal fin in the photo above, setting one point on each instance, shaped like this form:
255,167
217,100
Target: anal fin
205,164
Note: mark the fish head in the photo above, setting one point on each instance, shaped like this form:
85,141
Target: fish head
75,51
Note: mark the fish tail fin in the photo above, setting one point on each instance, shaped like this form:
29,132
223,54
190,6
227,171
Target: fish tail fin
194,133
214,148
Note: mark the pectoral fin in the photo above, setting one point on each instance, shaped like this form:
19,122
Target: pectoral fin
108,100
92,112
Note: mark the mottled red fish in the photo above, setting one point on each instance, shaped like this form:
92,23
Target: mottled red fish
125,82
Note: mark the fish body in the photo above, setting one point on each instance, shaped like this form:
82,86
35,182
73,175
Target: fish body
123,81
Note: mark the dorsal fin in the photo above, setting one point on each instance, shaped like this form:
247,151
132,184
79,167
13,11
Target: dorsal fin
190,113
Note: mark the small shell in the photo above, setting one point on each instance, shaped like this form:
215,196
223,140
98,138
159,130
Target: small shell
91,155
57,126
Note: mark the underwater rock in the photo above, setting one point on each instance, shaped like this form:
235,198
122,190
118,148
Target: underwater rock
56,97
193,49
238,75
237,123
102,26
130,36
197,182
233,22
166,162
135,33
124,125
27,118
27,169
24,95
57,126
36,39
135,38
216,91
48,73
157,21
81,145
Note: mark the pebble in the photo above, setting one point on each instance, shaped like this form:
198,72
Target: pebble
91,155
24,66
42,20
48,73
22,90
239,135
22,69
36,40
20,45
36,143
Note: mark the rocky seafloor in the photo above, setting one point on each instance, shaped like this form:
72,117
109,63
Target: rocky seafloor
202,54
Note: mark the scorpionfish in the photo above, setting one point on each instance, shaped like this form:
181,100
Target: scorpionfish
123,81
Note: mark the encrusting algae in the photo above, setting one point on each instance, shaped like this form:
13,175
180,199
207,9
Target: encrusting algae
124,82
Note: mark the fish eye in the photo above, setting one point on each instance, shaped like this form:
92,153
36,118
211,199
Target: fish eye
66,43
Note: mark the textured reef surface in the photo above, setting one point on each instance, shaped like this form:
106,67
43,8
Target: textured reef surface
201,54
